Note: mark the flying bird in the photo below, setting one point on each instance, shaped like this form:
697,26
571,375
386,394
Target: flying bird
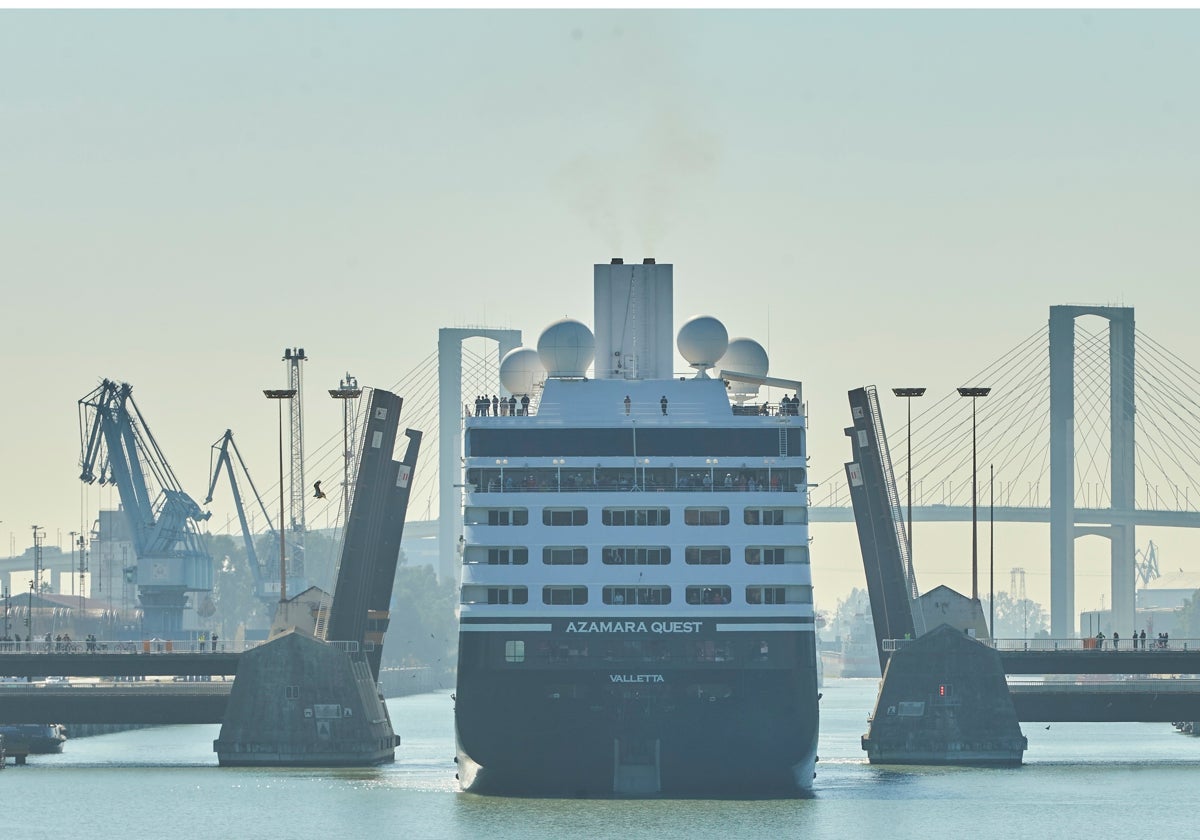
318,493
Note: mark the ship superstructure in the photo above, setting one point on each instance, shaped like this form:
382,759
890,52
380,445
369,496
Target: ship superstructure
636,610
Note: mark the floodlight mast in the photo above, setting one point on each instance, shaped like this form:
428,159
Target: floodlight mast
974,392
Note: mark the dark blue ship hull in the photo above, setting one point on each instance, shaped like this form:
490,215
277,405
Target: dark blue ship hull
582,727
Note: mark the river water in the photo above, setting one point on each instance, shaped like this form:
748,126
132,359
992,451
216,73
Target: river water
1129,780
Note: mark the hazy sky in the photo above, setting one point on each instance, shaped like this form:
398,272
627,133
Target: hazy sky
879,197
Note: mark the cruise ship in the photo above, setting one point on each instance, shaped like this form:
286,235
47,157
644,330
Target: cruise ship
636,601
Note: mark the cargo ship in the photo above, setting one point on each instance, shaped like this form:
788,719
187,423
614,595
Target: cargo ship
636,611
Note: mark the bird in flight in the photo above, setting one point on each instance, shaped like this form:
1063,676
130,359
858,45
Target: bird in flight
318,493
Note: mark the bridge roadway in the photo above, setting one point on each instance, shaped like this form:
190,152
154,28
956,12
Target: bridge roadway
1174,661
1083,516
1147,700
151,702
140,701
1171,697
118,664
1155,684
1165,698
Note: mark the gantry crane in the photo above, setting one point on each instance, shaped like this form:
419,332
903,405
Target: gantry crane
266,579
172,557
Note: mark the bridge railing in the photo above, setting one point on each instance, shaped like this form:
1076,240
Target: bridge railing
1131,685
1042,645
153,647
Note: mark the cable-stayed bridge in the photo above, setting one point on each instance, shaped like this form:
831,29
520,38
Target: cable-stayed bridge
1091,427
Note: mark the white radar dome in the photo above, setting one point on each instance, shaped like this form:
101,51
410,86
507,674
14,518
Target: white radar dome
745,355
521,370
566,349
702,341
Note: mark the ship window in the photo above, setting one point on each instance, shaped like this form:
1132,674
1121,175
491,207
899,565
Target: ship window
705,516
495,595
504,516
636,555
636,516
708,595
776,516
496,555
706,555
553,555
560,595
635,595
774,555
564,516
514,650
801,594
764,516
618,442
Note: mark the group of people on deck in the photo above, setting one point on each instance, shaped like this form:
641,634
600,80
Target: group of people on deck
1161,643
500,406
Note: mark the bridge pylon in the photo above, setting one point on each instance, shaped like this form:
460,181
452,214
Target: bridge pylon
450,409
1063,530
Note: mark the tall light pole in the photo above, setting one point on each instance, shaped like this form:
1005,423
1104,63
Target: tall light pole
973,393
347,390
39,534
992,545
280,395
908,394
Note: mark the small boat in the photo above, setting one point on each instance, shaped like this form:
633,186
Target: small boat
34,738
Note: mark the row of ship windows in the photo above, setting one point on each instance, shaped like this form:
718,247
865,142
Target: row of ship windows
567,479
637,516
637,595
679,650
636,555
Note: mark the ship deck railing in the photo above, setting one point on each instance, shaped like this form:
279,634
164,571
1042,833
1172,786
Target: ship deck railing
634,488
1068,645
764,409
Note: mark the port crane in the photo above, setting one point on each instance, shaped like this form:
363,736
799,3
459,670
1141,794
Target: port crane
172,557
266,579
1146,563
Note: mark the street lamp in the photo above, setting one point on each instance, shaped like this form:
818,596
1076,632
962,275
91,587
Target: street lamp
39,533
973,393
347,390
908,394
280,395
